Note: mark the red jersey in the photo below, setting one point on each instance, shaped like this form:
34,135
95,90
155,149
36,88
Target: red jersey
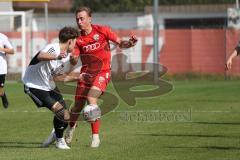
94,49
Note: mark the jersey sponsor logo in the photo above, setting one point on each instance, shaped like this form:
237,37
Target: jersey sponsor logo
91,47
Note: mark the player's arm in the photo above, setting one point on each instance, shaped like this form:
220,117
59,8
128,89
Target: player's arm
75,55
7,50
235,53
43,56
66,77
7,47
127,43
73,60
112,36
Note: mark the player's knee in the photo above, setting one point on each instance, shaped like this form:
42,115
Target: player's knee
94,94
60,112
91,112
63,114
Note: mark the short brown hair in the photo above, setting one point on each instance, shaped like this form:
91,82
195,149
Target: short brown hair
83,8
67,33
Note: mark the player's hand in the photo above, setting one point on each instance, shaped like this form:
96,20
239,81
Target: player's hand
61,56
133,40
228,64
85,77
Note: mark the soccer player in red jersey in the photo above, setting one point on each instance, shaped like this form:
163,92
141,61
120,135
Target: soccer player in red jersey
93,48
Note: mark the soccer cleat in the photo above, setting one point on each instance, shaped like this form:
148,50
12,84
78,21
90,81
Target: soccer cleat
61,144
51,138
95,141
4,101
69,134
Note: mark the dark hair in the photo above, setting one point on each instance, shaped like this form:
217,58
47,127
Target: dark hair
83,8
67,33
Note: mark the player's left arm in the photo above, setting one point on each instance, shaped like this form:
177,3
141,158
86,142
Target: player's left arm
66,77
112,36
127,43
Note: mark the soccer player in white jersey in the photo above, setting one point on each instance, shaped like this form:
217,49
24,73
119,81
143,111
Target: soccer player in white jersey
39,84
5,48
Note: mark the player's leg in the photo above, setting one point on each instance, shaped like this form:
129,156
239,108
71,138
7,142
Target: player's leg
60,123
61,118
93,96
80,101
74,114
98,88
53,101
75,111
2,92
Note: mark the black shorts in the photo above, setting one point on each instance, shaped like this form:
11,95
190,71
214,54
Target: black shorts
44,98
2,80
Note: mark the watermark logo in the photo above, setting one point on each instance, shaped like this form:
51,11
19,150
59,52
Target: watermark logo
155,116
129,86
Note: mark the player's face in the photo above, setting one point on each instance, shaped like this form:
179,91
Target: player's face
71,44
83,20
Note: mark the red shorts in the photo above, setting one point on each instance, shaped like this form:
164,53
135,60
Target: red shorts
100,81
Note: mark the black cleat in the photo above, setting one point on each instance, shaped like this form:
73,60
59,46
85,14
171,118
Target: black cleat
4,101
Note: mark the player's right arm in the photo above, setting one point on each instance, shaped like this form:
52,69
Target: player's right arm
43,56
74,57
49,53
235,53
7,50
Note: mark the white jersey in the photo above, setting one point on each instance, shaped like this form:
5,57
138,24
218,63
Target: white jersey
4,43
39,74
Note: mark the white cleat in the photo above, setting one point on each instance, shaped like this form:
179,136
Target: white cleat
69,134
51,138
61,144
95,141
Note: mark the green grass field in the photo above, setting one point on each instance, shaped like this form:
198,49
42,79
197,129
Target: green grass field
197,120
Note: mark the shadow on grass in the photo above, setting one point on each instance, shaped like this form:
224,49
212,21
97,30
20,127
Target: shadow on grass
188,135
219,123
204,147
20,144
197,136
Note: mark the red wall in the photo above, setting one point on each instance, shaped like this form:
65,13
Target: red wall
196,50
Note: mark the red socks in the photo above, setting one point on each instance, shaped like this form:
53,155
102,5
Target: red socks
95,126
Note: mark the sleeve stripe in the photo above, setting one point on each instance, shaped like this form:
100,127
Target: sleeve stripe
51,50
